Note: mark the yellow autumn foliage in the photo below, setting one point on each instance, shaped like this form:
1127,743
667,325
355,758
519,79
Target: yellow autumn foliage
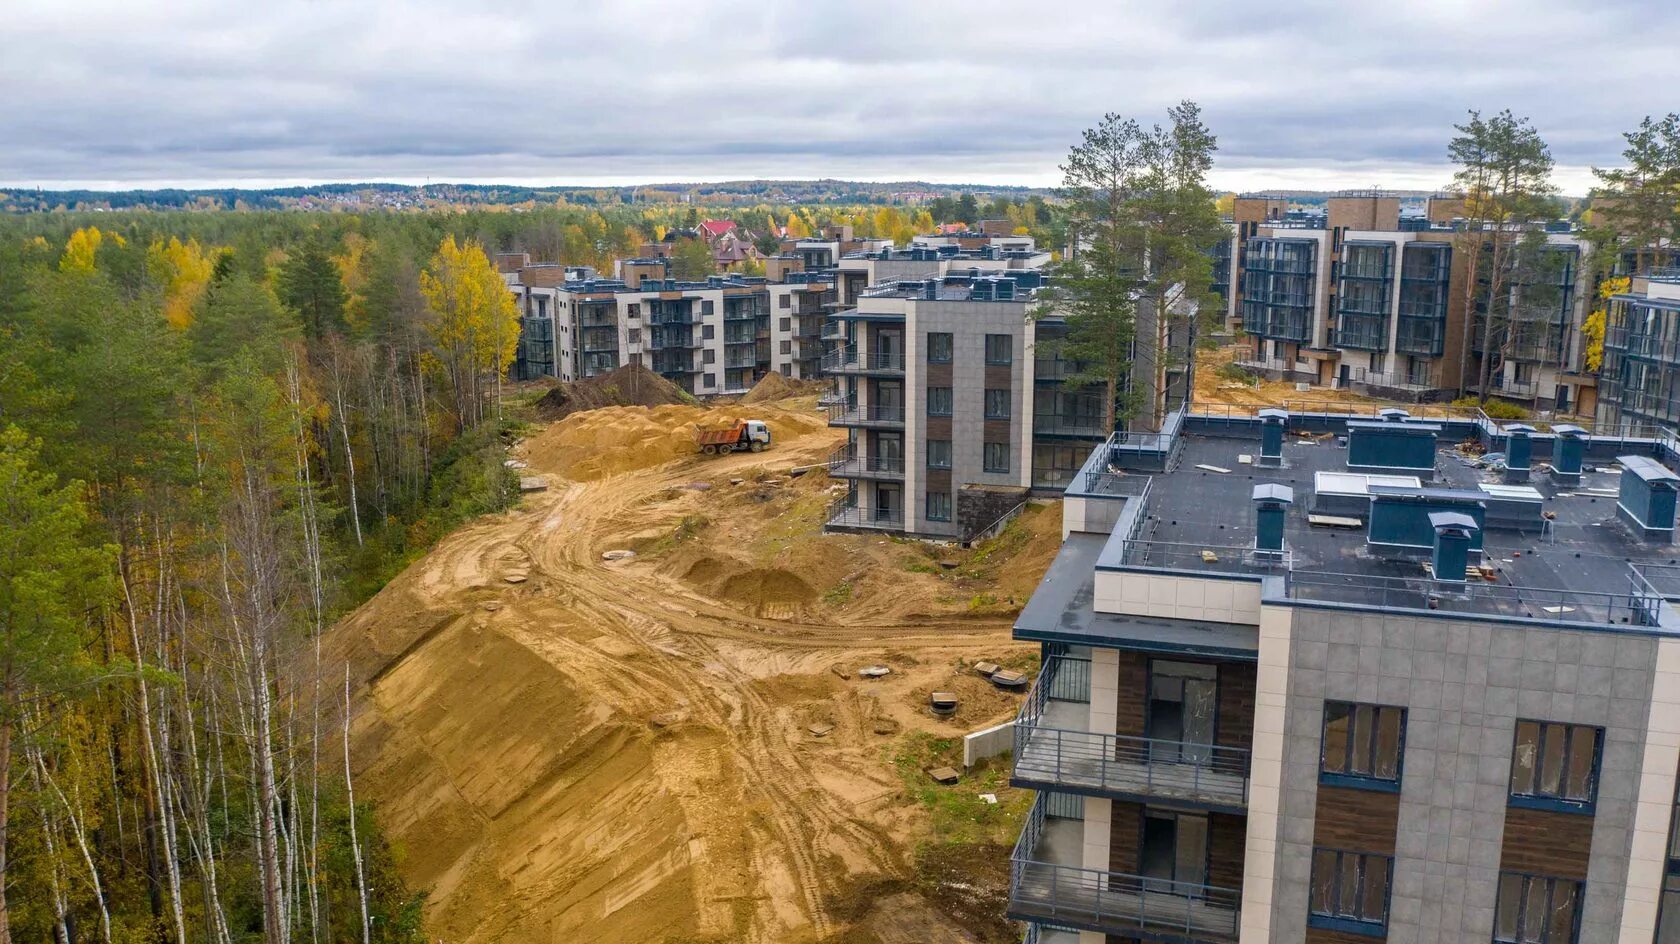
476,317
81,250
183,269
1592,330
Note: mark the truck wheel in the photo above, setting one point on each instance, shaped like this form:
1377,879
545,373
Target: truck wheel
757,447
709,450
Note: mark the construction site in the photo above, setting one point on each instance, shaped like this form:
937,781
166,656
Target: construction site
631,709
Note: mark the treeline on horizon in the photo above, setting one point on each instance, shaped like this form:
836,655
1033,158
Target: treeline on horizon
719,194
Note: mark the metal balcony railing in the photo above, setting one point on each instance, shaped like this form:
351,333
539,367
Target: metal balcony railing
842,515
850,360
1134,767
849,414
846,463
1115,902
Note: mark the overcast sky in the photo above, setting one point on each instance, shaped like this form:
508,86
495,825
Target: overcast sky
119,93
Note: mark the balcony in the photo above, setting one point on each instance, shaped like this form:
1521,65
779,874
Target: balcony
849,361
842,515
1045,885
1054,749
850,414
845,463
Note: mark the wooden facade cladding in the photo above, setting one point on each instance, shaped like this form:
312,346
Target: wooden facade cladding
998,376
1227,843
1356,820
1327,936
1132,702
936,427
1542,842
938,375
1125,835
1236,705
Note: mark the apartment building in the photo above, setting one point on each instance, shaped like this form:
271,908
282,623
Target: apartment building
717,336
1361,297
949,423
1345,688
1639,383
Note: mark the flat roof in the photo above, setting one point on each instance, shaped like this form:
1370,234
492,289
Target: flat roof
1587,550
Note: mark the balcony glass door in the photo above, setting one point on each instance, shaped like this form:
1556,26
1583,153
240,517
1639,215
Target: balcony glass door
1182,700
889,452
889,346
889,503
1174,851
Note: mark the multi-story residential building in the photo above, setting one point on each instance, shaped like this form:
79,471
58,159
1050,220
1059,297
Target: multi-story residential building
1395,696
1639,384
1363,298
948,425
719,336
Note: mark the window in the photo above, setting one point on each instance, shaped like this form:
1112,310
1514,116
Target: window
1555,766
939,506
1349,890
1362,745
939,453
706,333
996,457
786,326
1534,909
705,306
939,347
997,404
999,349
709,380
939,401
708,356
787,346
635,335
784,301
635,310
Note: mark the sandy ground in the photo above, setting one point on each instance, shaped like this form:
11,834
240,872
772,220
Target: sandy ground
1211,389
570,749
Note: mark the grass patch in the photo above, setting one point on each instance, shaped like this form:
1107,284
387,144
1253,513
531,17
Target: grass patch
686,530
958,814
838,594
1495,409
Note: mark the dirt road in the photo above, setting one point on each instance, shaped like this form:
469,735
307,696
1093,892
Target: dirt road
566,749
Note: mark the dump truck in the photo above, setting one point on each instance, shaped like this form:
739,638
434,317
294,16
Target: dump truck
745,434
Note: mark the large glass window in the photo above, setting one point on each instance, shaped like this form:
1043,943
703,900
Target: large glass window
939,401
939,506
999,349
1362,744
1534,909
997,404
996,457
939,453
1349,889
1555,766
939,347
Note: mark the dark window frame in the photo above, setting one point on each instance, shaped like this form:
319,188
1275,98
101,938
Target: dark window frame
927,504
1349,775
1009,350
1536,796
930,462
1358,921
1001,393
986,458
950,405
1526,880
949,345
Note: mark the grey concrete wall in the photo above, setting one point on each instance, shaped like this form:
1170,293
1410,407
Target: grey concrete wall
1464,684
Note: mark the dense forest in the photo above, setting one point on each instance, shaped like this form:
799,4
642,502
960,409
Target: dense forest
219,431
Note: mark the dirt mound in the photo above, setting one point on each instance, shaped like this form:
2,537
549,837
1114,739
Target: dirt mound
774,386
634,385
616,439
766,585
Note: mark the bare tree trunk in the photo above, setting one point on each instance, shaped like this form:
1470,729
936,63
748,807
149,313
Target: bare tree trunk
350,801
6,725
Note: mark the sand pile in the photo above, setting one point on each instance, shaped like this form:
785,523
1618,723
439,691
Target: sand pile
616,439
634,385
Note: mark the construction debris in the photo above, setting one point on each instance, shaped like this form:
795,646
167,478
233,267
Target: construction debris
822,729
617,555
986,668
1213,468
874,671
944,775
533,483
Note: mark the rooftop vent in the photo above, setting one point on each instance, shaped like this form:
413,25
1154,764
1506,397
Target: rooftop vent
1272,423
1393,414
1568,448
1647,498
1519,452
1271,506
1450,558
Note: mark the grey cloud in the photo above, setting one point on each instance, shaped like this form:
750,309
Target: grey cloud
209,90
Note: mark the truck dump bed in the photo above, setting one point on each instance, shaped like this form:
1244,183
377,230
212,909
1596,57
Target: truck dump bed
718,435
